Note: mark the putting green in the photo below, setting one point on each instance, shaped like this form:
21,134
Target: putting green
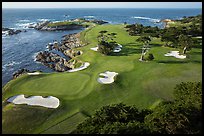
57,84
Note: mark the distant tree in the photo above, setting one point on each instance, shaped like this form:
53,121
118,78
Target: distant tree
185,42
111,36
167,119
135,29
105,48
138,28
106,43
145,40
170,35
102,37
181,116
189,94
115,119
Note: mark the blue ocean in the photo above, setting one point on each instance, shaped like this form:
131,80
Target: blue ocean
18,51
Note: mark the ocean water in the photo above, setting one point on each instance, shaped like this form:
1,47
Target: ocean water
18,51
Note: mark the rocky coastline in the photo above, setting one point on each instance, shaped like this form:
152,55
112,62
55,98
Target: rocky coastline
66,46
54,61
21,72
8,31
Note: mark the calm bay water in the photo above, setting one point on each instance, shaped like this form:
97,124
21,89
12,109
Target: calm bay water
18,51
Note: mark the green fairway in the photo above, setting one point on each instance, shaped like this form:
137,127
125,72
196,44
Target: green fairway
143,84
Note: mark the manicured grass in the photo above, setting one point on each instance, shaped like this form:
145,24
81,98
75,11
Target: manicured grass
14,120
64,23
60,23
143,84
66,126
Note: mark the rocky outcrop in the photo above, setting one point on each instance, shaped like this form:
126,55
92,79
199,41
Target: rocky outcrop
39,25
54,61
8,31
100,22
66,46
72,41
72,53
20,72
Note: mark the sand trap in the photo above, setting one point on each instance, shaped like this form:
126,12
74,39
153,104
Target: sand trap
175,54
35,73
117,49
108,77
94,49
84,66
48,102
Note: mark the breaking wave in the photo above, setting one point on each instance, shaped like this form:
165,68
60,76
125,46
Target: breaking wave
147,18
89,16
43,19
24,25
24,20
10,64
34,57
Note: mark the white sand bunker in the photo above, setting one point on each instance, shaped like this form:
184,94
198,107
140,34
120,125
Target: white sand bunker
35,73
108,77
48,102
94,49
117,49
175,54
84,66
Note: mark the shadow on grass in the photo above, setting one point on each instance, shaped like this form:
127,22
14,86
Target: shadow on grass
126,51
172,61
195,53
197,46
131,44
85,113
196,61
155,45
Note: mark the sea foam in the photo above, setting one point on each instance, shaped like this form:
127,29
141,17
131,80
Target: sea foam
9,65
24,20
24,25
43,19
147,18
89,16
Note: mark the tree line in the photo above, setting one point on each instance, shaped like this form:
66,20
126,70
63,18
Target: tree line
180,36
182,115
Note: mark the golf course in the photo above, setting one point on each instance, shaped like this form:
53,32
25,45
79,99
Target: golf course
140,83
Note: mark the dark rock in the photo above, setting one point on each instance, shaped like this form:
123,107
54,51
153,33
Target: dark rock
8,31
39,26
100,22
53,61
20,72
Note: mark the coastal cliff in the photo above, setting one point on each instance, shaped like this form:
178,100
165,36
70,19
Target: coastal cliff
66,46
8,31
